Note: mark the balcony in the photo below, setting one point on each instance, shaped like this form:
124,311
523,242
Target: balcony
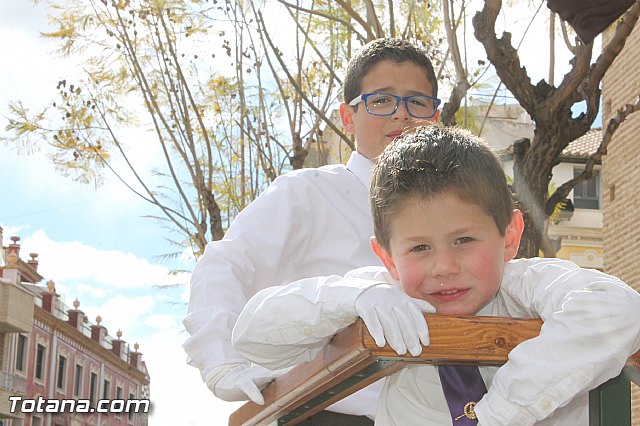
10,385
16,309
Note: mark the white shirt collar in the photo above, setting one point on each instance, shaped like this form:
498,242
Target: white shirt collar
361,167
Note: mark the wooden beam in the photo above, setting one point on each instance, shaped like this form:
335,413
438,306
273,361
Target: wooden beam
465,340
352,361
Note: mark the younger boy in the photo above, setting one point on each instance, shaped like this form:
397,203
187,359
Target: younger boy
447,233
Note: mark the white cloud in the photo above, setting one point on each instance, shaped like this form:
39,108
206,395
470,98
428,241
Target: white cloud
161,296
178,394
122,313
93,291
161,321
8,232
22,14
184,297
28,54
77,262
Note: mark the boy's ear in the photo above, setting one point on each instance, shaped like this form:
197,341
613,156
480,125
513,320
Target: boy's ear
346,114
512,236
385,257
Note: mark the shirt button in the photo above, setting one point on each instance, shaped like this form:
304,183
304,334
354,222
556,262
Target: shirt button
546,405
307,331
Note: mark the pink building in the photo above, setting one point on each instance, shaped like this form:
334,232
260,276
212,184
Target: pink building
63,357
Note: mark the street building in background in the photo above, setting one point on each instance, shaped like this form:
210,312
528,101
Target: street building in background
56,367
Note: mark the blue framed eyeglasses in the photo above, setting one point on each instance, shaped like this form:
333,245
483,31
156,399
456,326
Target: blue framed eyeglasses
385,104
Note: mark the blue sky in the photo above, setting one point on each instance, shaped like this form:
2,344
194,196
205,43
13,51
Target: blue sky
94,242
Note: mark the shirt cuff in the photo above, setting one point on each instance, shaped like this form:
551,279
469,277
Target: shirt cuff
492,410
218,373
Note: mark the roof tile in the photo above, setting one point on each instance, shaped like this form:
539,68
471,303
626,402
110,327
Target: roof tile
585,146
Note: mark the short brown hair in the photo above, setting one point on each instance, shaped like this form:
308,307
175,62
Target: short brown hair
430,160
393,49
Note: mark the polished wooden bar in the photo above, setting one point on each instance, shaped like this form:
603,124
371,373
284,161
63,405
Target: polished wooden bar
466,340
352,361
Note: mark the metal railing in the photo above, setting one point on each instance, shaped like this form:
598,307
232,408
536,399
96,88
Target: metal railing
60,312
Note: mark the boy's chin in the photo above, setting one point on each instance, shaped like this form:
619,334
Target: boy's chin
456,310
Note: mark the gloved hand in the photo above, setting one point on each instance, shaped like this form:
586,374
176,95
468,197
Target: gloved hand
240,382
391,314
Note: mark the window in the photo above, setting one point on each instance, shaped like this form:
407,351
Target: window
77,382
21,353
62,372
93,385
586,195
131,412
36,421
106,391
119,395
41,351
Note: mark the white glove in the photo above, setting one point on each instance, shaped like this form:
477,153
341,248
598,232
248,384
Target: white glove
391,314
240,382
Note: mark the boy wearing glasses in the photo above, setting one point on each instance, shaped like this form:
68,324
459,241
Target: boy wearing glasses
447,232
308,223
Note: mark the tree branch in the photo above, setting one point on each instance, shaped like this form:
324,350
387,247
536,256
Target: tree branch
373,18
323,59
573,79
346,6
565,37
563,190
299,89
462,83
392,19
347,24
504,57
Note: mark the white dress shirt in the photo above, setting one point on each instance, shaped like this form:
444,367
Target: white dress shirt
308,223
591,326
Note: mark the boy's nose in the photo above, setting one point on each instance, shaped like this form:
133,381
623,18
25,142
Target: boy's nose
402,112
444,264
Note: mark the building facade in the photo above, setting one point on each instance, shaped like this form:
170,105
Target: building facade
61,358
16,321
576,230
621,179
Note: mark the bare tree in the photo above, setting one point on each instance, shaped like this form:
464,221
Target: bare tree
550,107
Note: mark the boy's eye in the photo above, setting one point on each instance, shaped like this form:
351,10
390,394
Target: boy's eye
419,247
380,100
464,240
418,102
